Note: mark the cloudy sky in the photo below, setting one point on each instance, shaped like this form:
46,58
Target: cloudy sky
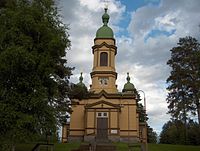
145,31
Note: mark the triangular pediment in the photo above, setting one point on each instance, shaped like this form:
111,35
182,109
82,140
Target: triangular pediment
102,104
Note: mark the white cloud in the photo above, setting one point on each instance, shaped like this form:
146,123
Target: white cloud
152,54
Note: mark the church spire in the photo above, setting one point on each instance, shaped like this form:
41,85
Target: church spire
128,87
81,78
105,17
81,84
128,78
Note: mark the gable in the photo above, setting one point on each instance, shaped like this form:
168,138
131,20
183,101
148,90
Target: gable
102,104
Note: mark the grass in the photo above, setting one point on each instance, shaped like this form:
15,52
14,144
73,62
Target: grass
166,147
57,147
160,147
120,147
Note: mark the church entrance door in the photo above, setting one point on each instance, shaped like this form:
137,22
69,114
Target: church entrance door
102,126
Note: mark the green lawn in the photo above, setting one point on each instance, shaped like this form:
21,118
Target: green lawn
57,147
120,147
160,147
165,147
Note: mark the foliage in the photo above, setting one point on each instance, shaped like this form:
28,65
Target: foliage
151,135
143,117
140,108
173,133
78,92
33,72
184,81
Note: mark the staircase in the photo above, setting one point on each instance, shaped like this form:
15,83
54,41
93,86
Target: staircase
96,147
105,147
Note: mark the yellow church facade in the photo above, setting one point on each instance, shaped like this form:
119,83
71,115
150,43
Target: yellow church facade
107,114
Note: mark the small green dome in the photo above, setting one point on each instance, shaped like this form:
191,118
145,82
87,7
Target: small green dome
81,84
128,87
105,31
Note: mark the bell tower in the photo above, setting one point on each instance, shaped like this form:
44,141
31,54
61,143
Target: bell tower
104,50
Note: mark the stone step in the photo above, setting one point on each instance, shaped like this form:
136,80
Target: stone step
105,147
98,147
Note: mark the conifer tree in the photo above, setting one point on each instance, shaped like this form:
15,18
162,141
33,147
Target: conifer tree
184,82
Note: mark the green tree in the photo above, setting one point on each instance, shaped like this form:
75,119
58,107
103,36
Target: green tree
151,135
184,81
33,72
193,133
173,133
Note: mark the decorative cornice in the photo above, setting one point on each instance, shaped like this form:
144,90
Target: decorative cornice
112,95
103,72
104,44
105,39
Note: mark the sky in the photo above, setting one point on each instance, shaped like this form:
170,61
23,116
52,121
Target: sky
145,31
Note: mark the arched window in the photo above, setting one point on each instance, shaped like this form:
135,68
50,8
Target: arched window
104,59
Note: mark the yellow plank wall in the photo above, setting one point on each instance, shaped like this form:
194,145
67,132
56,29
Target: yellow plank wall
128,120
90,123
113,121
77,120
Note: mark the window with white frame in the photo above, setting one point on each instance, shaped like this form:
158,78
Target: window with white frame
102,114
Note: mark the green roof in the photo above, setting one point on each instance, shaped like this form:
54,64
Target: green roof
105,31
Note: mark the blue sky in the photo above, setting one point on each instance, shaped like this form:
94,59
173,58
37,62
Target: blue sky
145,31
133,5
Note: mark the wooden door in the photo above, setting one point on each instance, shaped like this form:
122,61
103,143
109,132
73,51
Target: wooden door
102,128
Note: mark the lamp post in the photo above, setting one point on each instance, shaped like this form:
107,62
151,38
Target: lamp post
145,147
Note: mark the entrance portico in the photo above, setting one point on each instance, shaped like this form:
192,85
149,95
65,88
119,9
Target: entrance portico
101,121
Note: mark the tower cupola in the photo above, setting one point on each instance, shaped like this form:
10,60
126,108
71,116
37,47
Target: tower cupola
105,31
128,87
81,84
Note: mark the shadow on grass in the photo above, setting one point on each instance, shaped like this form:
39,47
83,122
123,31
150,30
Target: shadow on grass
57,146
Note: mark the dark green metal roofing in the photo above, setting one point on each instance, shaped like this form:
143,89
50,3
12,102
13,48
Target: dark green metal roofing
128,87
105,31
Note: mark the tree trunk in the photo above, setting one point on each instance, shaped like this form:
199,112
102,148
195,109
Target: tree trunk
198,113
185,120
197,102
13,147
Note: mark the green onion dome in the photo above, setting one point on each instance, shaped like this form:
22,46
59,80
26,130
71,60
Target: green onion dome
105,31
128,87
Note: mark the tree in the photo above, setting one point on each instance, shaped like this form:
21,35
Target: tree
173,133
184,81
33,72
151,135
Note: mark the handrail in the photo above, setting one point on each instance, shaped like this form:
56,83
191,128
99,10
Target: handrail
41,144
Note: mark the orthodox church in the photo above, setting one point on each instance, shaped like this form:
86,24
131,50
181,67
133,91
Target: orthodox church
106,114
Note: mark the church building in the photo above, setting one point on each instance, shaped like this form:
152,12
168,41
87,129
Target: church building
106,114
